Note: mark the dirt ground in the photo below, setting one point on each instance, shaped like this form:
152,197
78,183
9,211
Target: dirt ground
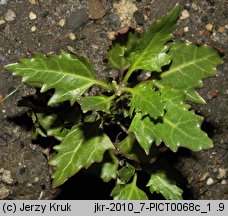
46,26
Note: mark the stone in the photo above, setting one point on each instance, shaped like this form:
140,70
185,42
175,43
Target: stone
4,193
72,36
222,173
33,29
96,9
184,14
62,22
10,15
186,29
5,176
33,1
125,9
2,22
32,16
221,29
112,35
223,182
77,19
3,2
210,181
204,176
209,27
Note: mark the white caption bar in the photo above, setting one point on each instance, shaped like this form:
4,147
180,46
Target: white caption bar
100,208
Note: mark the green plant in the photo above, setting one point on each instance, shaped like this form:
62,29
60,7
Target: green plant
147,114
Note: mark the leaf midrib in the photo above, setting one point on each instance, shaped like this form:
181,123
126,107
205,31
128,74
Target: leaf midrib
60,73
144,51
179,67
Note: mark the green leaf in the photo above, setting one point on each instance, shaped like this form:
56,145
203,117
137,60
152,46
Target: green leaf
190,64
69,75
151,49
146,100
126,173
109,169
81,147
47,122
160,183
118,55
133,151
142,127
181,128
130,148
98,103
128,192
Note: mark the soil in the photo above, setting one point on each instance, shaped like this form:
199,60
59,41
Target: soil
46,26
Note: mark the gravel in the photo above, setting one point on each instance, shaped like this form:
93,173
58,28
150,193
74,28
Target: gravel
77,19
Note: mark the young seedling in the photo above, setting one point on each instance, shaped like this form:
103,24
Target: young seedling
145,115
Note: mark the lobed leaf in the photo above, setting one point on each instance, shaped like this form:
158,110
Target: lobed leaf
118,55
131,149
181,128
47,122
126,173
143,128
160,183
151,49
190,64
98,103
146,100
128,192
69,75
109,169
81,147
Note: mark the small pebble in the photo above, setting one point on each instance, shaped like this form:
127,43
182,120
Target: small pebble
112,35
62,22
2,22
32,16
210,181
10,15
5,176
214,93
4,193
124,9
222,173
195,7
184,14
221,29
186,29
96,9
33,1
204,176
223,182
33,29
215,170
3,2
72,36
76,19
94,46
209,27
36,179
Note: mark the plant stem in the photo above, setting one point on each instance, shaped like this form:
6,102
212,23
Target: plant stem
121,73
128,74
104,85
